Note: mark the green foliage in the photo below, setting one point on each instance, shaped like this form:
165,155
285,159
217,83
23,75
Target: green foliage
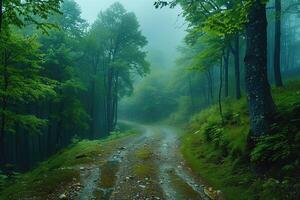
220,154
22,13
151,100
22,82
58,171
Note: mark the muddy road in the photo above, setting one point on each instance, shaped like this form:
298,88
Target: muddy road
148,167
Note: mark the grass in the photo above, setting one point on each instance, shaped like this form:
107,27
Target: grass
59,171
219,155
145,168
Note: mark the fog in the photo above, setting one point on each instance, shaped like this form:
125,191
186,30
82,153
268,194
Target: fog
163,28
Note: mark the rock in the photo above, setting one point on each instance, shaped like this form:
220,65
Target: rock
62,196
142,186
154,197
81,156
82,168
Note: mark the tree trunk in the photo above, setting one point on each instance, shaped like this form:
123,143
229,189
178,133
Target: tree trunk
92,134
1,15
210,81
220,90
260,101
4,109
277,49
110,100
237,66
191,92
226,65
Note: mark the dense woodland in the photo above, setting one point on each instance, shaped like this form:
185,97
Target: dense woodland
63,80
218,41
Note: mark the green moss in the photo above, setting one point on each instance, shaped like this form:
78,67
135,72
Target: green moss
143,154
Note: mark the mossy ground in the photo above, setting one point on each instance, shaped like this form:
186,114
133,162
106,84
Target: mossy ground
145,168
219,155
60,170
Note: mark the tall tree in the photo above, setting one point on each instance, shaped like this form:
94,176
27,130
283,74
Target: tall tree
261,104
277,48
21,84
122,54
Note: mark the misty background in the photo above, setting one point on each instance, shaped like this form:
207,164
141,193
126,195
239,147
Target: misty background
163,28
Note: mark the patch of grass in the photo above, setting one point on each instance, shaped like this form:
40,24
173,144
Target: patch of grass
143,154
218,152
209,164
145,167
143,170
58,171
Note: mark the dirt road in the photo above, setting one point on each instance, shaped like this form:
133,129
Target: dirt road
148,167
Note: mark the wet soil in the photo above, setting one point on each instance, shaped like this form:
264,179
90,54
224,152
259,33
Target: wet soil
147,166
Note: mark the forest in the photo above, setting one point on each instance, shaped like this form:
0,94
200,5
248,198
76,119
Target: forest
150,99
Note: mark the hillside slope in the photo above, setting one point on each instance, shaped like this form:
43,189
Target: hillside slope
221,155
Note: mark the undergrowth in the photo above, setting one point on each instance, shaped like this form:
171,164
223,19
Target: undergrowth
58,171
220,153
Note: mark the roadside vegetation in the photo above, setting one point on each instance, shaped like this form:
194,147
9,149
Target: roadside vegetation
50,178
221,155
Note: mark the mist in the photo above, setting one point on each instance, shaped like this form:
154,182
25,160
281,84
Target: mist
150,99
163,28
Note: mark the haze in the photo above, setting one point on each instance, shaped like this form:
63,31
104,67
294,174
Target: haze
164,28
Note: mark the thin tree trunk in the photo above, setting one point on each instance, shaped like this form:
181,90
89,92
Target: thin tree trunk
109,100
220,90
277,49
4,109
92,108
226,65
260,101
237,67
191,92
210,83
1,15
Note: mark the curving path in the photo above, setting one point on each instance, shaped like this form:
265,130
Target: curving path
148,167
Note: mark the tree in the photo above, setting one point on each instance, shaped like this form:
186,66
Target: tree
21,83
120,55
61,47
277,48
261,104
22,13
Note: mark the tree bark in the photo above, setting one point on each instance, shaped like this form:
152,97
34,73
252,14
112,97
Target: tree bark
277,49
4,105
210,86
220,90
237,66
1,15
260,101
226,65
191,92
